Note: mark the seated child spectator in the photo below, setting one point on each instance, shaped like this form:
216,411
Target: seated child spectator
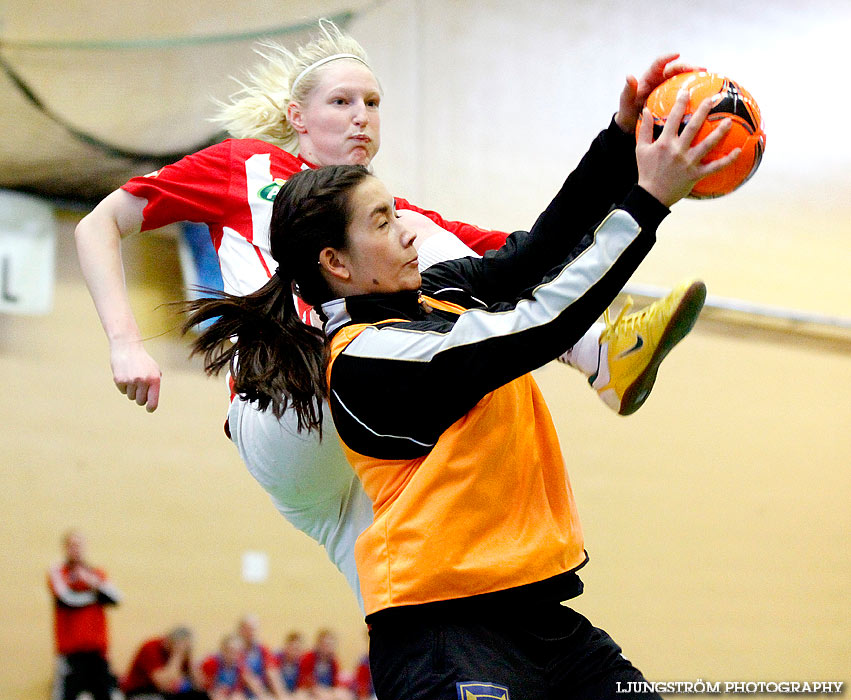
319,671
259,666
221,673
289,659
162,668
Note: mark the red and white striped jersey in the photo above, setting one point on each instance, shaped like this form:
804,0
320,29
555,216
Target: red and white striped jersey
230,187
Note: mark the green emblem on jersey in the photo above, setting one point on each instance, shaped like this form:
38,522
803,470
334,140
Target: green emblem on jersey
270,191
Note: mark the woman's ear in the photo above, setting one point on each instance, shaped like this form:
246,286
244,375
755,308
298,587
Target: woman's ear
295,117
334,264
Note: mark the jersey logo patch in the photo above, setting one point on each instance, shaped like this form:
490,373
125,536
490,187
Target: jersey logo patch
270,191
481,691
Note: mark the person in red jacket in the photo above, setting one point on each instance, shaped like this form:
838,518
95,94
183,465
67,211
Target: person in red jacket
81,594
162,668
230,187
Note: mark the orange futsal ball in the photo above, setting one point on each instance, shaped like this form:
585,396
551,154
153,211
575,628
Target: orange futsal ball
729,99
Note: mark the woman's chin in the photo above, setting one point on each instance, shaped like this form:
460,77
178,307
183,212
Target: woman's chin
360,156
414,281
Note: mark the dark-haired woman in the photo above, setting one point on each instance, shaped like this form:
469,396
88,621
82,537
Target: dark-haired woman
476,540
318,105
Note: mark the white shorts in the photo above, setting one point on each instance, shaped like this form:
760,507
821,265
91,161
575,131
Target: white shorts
310,481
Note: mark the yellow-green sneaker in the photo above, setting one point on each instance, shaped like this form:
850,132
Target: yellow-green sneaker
634,345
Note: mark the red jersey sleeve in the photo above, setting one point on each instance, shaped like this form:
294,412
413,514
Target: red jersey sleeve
363,680
148,659
194,188
270,660
209,669
479,239
306,666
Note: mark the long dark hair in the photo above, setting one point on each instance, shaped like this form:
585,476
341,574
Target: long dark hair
275,359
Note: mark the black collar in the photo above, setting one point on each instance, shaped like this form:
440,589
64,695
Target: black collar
371,308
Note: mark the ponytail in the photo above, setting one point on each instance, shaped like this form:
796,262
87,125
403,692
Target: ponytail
274,358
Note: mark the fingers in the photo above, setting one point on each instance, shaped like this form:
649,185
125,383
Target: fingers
135,391
141,394
714,166
713,139
655,75
658,67
153,398
629,105
144,393
696,121
675,117
628,94
673,69
135,373
645,131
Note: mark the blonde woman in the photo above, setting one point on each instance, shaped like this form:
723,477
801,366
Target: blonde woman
317,106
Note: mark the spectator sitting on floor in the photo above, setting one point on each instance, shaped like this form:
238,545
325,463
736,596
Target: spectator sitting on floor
221,673
162,668
319,671
259,665
289,659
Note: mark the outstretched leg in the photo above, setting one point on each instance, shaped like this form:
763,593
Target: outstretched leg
631,348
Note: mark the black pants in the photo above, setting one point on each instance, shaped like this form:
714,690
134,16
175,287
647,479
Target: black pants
84,670
550,653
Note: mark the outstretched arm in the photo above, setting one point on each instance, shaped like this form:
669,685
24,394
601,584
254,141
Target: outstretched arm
98,237
374,377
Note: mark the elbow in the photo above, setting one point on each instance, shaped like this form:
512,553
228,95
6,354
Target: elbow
86,232
82,227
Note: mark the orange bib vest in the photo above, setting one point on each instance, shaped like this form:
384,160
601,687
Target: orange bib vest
489,508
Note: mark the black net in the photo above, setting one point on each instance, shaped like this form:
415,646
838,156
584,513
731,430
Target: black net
80,116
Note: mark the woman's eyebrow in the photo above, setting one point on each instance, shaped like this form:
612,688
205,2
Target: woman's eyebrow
383,209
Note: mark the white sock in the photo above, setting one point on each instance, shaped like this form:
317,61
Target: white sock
585,355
